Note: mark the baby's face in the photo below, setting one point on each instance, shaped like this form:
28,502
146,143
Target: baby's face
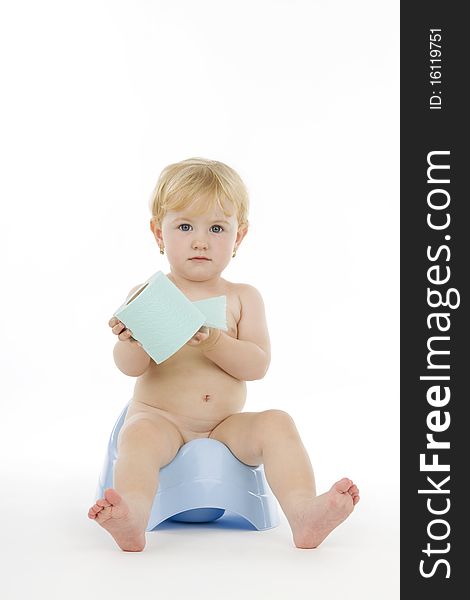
211,235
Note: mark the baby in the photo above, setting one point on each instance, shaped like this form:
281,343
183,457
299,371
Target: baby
199,218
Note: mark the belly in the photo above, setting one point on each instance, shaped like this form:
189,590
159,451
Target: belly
191,389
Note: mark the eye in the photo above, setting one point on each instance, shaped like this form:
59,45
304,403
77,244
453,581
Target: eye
219,230
184,225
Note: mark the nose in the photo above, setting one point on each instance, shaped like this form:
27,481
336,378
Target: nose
199,245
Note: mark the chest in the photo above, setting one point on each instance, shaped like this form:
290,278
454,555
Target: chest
233,314
233,311
181,363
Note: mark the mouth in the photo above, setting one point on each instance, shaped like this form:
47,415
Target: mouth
197,258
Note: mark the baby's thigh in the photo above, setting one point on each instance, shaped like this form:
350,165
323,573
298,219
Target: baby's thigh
149,433
248,433
240,433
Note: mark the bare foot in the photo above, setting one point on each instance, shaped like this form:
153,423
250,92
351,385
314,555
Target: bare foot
313,519
125,525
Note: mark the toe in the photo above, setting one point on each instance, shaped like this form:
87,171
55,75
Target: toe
342,485
95,510
353,490
112,497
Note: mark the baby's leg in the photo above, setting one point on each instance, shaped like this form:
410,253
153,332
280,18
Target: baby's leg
271,438
146,443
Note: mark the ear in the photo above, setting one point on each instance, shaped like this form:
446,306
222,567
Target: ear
156,228
242,231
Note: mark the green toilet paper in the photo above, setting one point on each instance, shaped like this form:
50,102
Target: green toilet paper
163,319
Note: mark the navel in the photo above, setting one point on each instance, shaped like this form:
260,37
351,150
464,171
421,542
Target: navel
206,398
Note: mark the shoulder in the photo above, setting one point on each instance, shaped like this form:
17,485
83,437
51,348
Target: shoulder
248,295
247,289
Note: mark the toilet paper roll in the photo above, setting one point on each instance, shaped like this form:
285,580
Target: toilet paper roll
215,311
163,319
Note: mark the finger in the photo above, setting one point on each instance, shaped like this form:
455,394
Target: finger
199,337
112,321
124,335
119,328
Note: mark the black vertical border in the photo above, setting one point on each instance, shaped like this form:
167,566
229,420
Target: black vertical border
424,130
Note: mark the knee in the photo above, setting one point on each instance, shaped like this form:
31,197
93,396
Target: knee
276,421
277,416
137,424
138,428
148,439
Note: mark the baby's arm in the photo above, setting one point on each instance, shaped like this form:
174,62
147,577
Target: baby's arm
129,357
248,357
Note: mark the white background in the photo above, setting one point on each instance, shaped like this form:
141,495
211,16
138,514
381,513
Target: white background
301,98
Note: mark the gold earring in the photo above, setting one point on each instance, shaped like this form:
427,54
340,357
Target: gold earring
234,253
162,250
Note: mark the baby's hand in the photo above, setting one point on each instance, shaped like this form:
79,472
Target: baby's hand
199,336
120,330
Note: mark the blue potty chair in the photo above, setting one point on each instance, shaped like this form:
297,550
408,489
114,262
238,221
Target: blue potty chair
201,483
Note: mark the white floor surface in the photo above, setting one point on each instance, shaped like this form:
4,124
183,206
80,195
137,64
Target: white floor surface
50,549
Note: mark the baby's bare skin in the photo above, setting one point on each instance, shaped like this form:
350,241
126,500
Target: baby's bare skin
188,388
200,392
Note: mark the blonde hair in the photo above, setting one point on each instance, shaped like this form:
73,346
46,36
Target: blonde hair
202,184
